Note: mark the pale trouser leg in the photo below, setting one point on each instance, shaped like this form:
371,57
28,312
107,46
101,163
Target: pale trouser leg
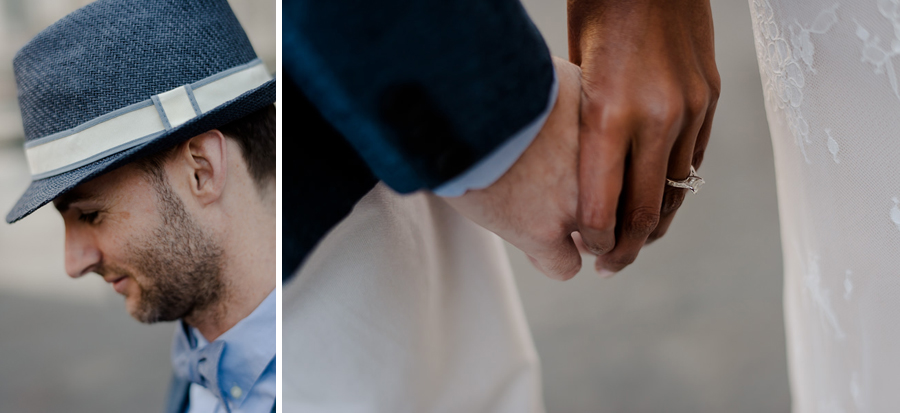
406,306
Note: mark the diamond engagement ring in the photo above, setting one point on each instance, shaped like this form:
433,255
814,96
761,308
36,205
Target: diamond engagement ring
692,182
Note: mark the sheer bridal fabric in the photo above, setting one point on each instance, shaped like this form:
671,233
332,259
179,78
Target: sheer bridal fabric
830,77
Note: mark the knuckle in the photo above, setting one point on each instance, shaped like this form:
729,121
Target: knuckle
613,114
597,221
698,101
666,110
656,234
641,222
715,86
672,200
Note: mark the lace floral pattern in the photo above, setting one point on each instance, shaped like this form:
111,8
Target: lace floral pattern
872,51
821,297
783,77
833,146
801,38
832,88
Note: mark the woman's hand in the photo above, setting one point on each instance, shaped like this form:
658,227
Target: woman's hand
649,92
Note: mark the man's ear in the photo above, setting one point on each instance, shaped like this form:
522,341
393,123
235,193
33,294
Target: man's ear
206,160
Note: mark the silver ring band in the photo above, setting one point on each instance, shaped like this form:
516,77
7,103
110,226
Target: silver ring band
692,182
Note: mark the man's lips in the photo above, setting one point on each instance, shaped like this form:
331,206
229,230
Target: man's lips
119,284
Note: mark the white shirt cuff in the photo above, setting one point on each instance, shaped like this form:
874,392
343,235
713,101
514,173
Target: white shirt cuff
488,170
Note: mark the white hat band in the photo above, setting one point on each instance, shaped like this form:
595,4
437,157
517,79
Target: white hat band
141,122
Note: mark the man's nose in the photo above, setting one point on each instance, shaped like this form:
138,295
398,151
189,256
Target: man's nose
81,253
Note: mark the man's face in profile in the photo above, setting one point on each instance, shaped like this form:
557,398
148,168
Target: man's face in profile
132,228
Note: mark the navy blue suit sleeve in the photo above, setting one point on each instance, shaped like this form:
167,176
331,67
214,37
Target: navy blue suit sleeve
323,177
421,89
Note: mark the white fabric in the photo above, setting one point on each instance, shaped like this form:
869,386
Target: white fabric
829,71
203,401
96,139
213,94
406,306
129,127
177,105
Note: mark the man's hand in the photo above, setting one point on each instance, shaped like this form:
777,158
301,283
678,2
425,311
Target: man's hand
650,87
533,204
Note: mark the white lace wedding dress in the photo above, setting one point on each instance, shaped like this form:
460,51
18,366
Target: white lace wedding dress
830,75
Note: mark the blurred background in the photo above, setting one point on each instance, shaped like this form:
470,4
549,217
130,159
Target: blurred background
695,325
69,345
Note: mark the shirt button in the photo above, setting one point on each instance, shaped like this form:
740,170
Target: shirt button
236,392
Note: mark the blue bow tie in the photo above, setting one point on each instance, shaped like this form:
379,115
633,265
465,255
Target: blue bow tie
200,366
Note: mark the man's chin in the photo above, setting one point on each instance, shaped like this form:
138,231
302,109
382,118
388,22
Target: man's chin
141,312
137,311
149,314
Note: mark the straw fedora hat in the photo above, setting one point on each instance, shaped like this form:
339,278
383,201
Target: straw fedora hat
118,80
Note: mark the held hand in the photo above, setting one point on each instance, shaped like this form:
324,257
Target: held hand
650,87
533,204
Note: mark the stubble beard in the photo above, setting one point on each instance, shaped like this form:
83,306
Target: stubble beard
180,264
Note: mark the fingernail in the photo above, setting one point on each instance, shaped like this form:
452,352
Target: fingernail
604,273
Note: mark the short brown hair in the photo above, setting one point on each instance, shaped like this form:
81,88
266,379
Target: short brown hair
254,133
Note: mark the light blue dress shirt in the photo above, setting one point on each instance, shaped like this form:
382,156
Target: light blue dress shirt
488,170
236,372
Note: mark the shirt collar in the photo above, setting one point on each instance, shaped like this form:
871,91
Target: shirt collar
232,363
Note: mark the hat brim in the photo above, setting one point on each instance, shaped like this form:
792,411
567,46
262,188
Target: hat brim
43,191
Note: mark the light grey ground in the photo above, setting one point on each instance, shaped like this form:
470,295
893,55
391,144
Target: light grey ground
72,357
695,325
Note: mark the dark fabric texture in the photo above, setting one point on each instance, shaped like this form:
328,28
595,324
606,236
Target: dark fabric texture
114,53
422,89
322,178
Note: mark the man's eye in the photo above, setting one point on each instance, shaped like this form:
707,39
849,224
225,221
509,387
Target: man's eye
89,218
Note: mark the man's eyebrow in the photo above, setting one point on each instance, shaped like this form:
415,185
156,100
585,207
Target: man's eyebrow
63,202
